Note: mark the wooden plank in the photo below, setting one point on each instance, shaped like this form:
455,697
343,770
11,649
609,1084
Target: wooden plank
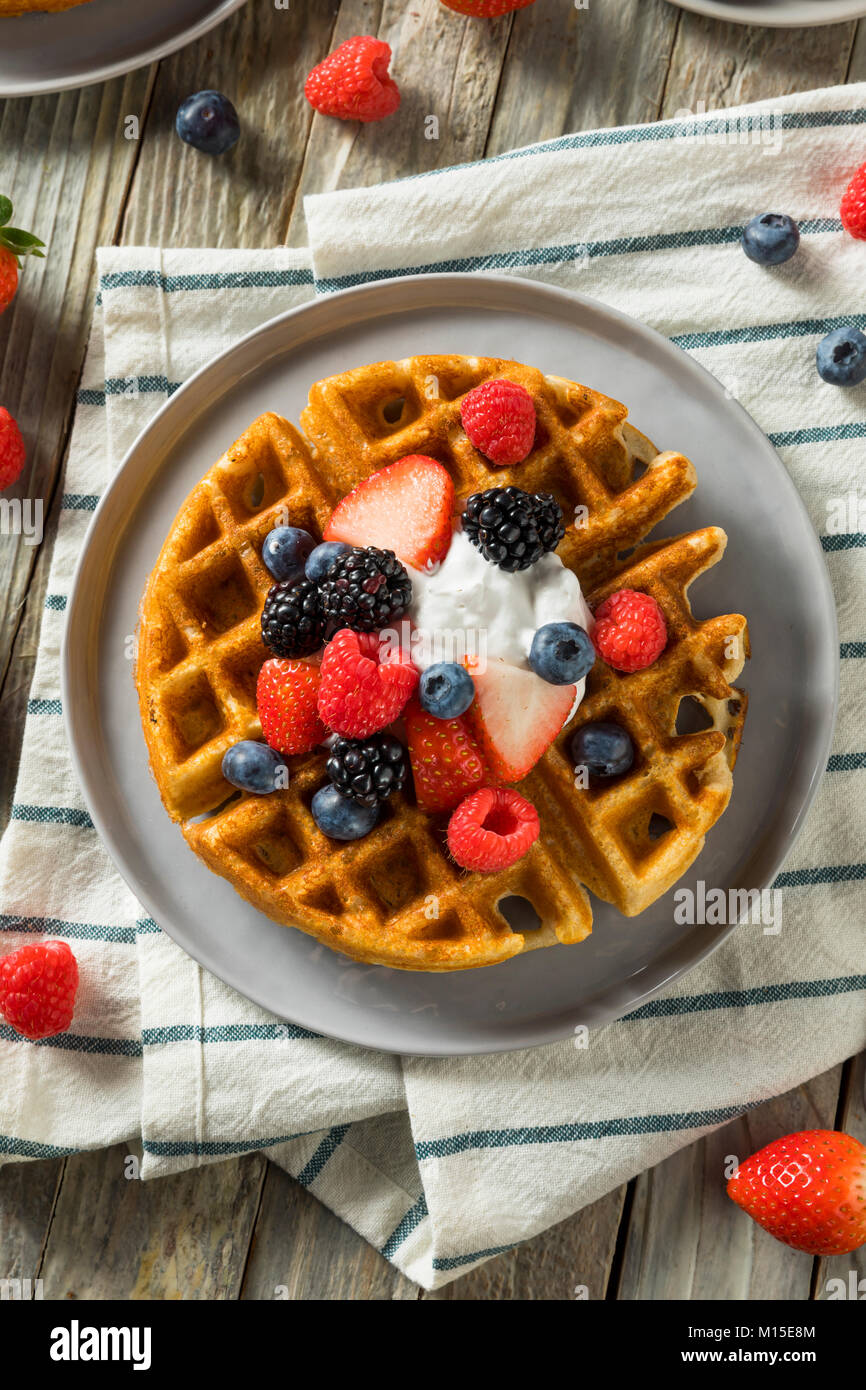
65,164
715,65
259,58
857,65
687,1240
448,69
302,1251
181,1237
570,69
558,1265
27,1194
850,1269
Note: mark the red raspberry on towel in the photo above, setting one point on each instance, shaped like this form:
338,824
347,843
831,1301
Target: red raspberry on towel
853,207
491,829
353,83
361,693
630,631
37,989
12,453
499,419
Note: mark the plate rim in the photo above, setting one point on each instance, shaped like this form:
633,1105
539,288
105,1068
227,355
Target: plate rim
221,10
389,294
844,11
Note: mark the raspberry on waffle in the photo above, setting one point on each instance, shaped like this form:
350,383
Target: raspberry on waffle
396,897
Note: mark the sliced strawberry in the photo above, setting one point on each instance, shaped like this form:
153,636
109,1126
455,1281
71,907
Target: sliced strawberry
405,507
515,716
446,762
286,696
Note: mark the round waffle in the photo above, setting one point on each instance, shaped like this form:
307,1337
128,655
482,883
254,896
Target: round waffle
396,898
18,7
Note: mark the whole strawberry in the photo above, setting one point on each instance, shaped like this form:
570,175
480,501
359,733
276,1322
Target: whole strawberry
808,1190
37,989
13,245
353,83
286,695
12,453
486,9
853,207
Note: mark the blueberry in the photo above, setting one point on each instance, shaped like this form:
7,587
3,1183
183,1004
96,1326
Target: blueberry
841,357
446,690
285,552
252,766
341,818
561,653
323,557
770,238
208,122
605,750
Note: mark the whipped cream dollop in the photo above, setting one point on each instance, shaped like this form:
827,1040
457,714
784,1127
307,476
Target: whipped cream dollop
470,607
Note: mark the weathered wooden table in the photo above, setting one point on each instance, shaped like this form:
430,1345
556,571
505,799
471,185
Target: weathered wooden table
243,1228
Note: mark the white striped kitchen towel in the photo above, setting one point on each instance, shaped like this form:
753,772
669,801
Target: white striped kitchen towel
441,1164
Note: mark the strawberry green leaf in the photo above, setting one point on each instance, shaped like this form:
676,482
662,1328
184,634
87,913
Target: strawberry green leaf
20,243
5,210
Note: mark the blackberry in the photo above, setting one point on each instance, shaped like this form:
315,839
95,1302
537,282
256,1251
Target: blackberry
293,623
366,589
367,769
513,528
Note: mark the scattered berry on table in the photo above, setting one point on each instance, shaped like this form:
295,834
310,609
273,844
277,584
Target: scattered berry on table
515,717
853,206
12,452
771,238
363,686
287,700
405,507
499,419
562,653
630,631
604,749
341,818
491,829
446,761
808,1190
286,550
322,558
37,989
293,621
367,770
513,528
14,244
486,9
253,767
841,357
208,122
353,82
365,589
446,690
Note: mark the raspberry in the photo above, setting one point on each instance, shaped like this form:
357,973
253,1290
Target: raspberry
853,206
37,989
353,84
499,418
12,453
486,9
492,828
630,631
286,696
359,695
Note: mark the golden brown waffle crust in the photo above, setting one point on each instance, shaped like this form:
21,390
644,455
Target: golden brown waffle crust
395,898
9,9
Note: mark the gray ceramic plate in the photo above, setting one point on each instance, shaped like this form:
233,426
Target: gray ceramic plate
773,571
779,14
50,52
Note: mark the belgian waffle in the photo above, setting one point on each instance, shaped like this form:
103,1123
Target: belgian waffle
395,897
9,8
